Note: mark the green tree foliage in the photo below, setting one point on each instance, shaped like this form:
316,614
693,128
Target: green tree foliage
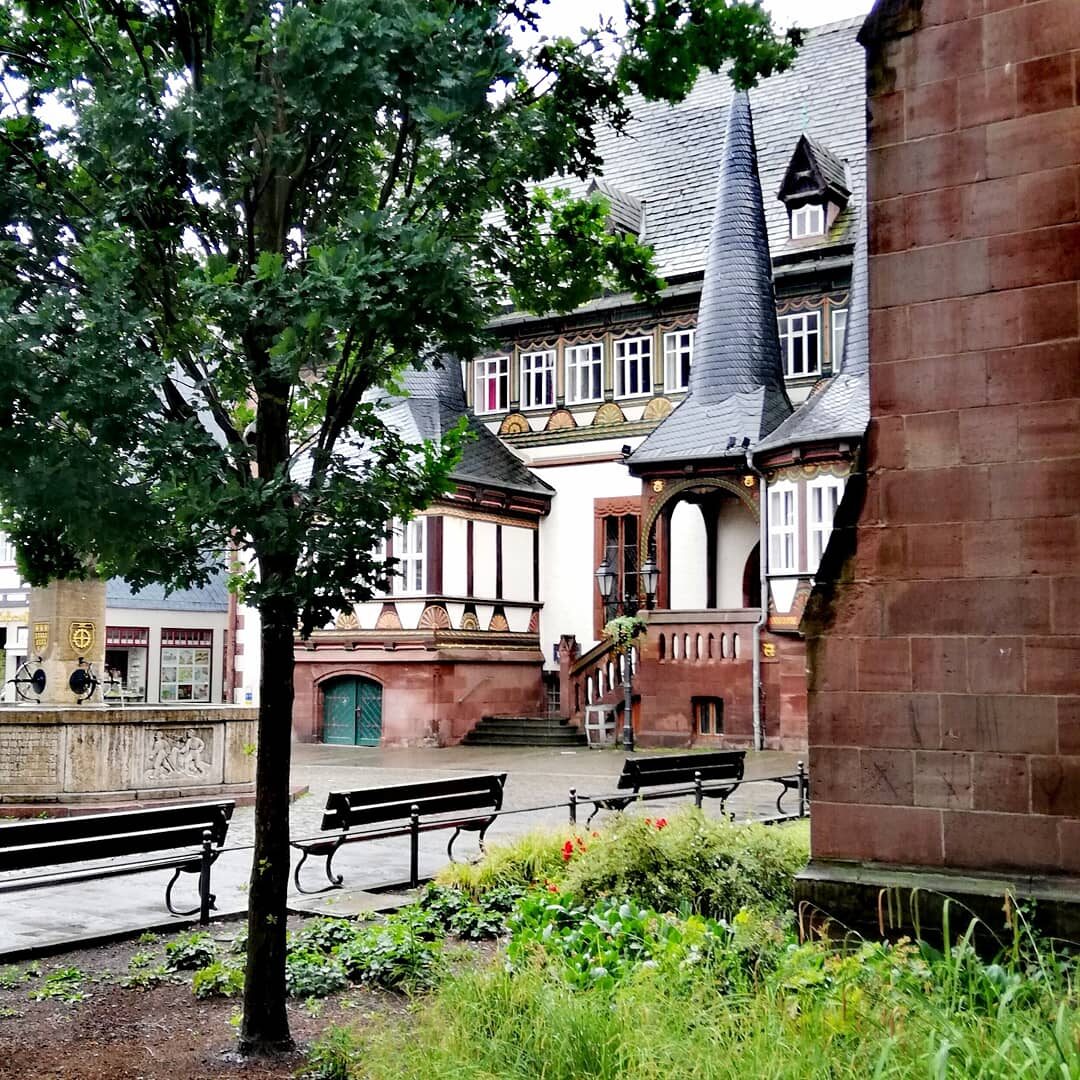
222,223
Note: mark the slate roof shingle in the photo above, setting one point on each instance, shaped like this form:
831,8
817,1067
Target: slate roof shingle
839,407
668,155
213,596
435,403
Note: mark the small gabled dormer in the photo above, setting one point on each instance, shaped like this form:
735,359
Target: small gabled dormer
814,190
626,212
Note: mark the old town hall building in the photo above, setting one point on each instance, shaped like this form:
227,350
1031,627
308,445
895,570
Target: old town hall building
707,438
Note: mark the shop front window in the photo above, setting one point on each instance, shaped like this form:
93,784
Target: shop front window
186,664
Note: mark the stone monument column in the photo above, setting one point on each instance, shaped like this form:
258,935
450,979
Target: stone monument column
67,625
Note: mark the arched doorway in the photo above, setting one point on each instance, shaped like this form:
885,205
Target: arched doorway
352,712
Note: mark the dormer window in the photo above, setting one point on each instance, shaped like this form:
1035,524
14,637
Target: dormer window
815,189
808,220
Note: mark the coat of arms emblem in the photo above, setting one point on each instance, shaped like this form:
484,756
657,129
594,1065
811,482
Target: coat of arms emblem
41,636
81,636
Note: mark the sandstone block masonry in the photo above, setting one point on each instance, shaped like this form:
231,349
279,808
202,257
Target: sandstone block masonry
944,634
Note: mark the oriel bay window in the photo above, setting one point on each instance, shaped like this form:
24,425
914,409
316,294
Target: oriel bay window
823,497
678,356
800,344
633,366
492,384
538,379
783,528
839,327
584,373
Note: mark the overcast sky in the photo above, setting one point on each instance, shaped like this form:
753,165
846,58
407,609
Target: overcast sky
567,16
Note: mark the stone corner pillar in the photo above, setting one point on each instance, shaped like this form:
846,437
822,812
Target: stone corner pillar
66,626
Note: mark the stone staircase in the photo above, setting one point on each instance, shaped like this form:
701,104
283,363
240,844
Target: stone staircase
524,731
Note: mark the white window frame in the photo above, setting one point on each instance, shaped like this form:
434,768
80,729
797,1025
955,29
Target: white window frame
799,328
537,373
410,550
838,329
783,509
584,372
823,496
7,551
678,345
633,367
492,370
808,220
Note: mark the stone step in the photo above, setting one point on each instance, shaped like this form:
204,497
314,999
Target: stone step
478,739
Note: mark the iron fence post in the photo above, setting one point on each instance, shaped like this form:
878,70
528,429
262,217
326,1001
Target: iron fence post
573,806
205,899
698,793
414,846
802,789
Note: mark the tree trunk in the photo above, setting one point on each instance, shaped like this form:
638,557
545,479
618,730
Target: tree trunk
265,1027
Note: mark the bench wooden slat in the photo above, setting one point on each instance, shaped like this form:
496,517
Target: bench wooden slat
684,777
213,816
674,769
346,809
84,849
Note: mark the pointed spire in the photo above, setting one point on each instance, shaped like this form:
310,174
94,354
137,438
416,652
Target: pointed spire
736,394
737,347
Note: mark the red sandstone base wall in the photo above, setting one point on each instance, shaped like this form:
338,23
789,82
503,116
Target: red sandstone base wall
426,701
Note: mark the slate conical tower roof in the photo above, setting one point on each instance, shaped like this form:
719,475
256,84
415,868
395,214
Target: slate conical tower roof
736,390
839,407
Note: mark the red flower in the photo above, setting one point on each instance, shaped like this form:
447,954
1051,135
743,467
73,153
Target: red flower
648,821
594,834
568,850
552,888
661,822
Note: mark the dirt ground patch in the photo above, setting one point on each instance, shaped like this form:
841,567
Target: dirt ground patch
160,1032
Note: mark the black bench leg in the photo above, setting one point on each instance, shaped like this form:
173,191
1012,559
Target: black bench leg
450,846
336,880
206,898
169,888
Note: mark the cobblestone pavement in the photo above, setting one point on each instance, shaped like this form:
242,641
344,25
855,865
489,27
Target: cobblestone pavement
45,917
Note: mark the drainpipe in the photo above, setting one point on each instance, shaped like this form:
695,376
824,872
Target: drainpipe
759,734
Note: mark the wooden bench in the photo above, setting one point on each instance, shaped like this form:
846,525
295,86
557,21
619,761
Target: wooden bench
193,833
673,770
406,804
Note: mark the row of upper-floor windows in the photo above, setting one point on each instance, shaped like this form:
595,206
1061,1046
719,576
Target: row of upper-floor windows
635,371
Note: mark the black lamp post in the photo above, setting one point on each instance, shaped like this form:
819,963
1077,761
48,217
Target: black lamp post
605,584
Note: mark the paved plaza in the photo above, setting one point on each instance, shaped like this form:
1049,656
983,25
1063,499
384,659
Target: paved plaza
51,917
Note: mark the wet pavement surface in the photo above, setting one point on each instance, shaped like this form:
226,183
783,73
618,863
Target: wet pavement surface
51,917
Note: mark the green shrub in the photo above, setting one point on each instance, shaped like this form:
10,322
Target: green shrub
716,866
392,955
190,951
333,1055
218,980
64,984
442,909
323,934
532,859
312,974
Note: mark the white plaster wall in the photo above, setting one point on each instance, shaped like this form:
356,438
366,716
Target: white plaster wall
455,549
567,565
737,533
689,580
249,662
517,563
484,559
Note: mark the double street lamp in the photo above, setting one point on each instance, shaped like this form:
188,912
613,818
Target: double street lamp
606,581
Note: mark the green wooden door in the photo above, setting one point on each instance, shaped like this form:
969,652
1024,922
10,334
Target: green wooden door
352,712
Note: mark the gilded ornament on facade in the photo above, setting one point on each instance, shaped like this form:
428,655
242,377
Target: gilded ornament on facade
434,617
561,420
608,413
81,636
657,409
748,481
514,424
658,486
41,636
768,649
469,621
498,623
347,620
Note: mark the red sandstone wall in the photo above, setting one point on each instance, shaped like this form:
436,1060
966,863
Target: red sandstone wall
424,700
945,695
